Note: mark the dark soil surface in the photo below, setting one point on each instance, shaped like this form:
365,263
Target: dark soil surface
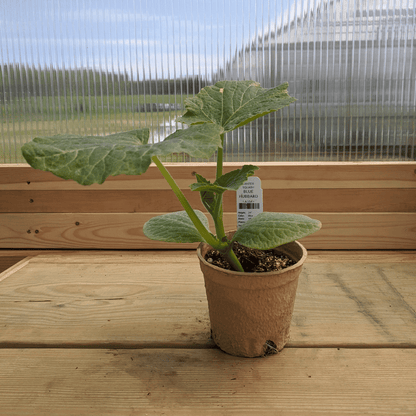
252,260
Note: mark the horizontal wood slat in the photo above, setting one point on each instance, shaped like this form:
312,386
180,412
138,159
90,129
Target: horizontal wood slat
157,298
124,231
283,200
285,175
314,256
296,382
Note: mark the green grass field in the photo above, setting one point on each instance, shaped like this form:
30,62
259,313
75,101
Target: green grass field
23,120
53,107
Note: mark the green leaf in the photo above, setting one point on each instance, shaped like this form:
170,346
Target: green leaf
92,159
208,199
271,229
232,104
175,227
196,141
234,179
88,159
231,181
207,187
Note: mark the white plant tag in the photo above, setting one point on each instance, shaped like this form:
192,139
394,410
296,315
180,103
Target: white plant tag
249,200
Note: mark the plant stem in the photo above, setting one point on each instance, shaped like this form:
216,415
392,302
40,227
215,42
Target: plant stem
218,211
205,234
217,216
220,157
232,258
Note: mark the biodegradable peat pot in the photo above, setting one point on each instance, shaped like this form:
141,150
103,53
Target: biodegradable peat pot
248,310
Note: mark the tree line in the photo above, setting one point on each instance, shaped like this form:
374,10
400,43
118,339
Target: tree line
18,81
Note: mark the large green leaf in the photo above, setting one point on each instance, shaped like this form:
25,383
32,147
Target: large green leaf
232,104
92,159
196,141
231,181
175,227
271,229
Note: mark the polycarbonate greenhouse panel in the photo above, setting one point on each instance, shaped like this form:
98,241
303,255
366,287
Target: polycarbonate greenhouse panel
96,67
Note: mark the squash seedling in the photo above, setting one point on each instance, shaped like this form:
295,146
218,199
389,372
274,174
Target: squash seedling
213,112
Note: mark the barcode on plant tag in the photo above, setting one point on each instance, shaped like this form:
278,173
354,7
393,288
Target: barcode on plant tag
249,200
248,206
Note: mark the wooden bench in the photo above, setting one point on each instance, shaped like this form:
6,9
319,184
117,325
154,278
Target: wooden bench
95,319
128,333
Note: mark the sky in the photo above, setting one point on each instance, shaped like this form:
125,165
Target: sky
143,38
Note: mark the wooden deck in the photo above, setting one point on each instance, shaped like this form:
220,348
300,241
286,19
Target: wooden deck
127,333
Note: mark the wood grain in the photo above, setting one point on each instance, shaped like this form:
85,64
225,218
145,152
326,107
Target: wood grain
133,256
362,205
156,200
274,175
122,301
297,382
369,231
353,346
8,261
157,299
330,256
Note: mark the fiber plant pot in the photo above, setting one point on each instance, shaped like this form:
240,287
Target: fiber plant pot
250,313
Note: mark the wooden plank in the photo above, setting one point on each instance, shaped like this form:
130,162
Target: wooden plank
8,261
314,256
79,231
157,299
274,175
12,269
163,292
363,231
207,382
359,256
331,256
370,231
368,302
285,200
104,201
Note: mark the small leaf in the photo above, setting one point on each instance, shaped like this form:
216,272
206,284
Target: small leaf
92,159
234,179
208,198
232,104
207,187
271,229
175,227
231,181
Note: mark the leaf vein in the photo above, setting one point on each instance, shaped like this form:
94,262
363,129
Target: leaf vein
244,104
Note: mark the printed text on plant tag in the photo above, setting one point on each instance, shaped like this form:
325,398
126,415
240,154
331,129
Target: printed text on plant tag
249,200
